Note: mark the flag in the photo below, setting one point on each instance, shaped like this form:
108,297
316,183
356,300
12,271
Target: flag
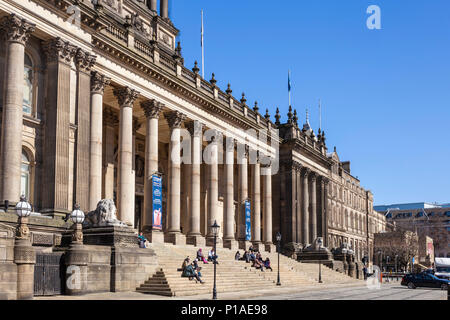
289,81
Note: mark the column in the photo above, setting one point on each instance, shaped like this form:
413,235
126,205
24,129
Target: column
164,8
243,195
298,222
213,189
98,83
194,236
17,32
324,199
305,220
152,110
111,121
83,62
174,119
153,5
229,240
126,97
267,174
256,203
55,198
136,126
313,225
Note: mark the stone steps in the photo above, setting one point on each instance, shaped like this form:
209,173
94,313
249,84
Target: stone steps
231,275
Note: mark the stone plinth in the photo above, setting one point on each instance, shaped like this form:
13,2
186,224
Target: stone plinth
25,259
196,240
175,238
155,236
111,236
231,244
320,255
77,261
244,245
210,242
271,248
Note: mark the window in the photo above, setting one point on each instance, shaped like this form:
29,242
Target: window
25,176
28,85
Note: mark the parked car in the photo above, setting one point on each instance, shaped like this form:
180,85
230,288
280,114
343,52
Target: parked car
424,279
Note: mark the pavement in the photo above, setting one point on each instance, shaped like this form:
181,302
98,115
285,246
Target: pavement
387,291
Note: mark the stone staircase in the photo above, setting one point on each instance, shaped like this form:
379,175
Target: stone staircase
232,275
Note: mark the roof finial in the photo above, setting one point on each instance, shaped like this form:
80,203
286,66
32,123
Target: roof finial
277,117
195,69
256,108
290,115
243,100
295,118
229,91
307,116
267,116
213,80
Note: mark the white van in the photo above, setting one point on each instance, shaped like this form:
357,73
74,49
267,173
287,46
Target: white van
442,268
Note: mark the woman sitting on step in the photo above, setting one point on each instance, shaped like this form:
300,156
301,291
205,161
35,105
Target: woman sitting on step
237,256
190,273
200,256
186,262
267,264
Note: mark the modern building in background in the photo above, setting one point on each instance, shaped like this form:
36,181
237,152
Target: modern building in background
428,220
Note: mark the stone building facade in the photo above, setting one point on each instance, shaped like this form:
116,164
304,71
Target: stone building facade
316,194
95,99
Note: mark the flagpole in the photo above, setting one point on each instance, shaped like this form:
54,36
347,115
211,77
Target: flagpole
203,52
320,115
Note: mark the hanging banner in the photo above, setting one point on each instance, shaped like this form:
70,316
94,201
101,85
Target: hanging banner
248,221
157,202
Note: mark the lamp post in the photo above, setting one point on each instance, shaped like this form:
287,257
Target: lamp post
77,217
278,238
24,252
215,230
23,210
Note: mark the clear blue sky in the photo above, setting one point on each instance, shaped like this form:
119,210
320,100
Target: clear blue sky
385,93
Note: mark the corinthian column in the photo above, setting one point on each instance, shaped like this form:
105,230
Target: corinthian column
243,195
125,198
194,236
229,240
267,187
213,188
17,32
174,119
98,83
256,204
313,225
305,219
152,109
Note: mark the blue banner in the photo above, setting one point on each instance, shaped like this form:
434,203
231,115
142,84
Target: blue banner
157,202
248,221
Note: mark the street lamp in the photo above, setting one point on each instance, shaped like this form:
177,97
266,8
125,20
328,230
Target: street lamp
23,210
215,231
77,217
278,238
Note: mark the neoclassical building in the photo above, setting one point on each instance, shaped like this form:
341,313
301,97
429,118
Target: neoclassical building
96,100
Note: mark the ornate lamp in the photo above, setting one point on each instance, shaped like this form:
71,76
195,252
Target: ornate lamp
23,210
215,231
278,238
77,217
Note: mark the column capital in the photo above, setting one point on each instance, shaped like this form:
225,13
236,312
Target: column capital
324,181
267,162
313,176
126,96
152,108
17,29
99,82
229,147
195,127
297,166
174,118
306,172
59,50
84,61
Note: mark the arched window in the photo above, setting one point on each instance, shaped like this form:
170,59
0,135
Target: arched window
28,85
25,178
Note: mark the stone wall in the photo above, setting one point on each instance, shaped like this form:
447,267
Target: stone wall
8,269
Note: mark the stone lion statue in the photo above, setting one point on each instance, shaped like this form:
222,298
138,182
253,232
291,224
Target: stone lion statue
317,245
104,215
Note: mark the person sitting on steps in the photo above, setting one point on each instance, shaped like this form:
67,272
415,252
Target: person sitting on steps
267,264
237,256
200,256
